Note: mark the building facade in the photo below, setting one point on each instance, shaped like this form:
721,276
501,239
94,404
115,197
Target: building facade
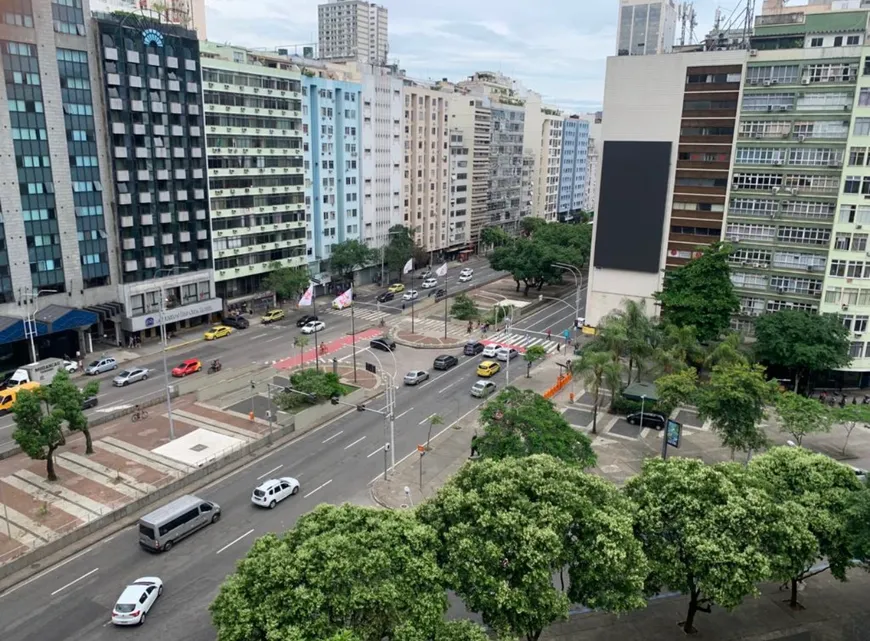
646,28
459,223
573,168
352,30
189,14
254,147
548,162
593,161
154,112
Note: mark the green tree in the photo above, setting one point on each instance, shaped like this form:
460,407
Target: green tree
38,433
597,370
850,416
530,262
679,348
700,294
301,342
495,237
734,400
799,416
287,282
521,423
676,389
399,250
315,387
464,308
822,487
65,396
505,529
801,342
728,351
459,630
531,224
532,355
574,242
858,526
340,569
433,420
701,532
348,256
627,332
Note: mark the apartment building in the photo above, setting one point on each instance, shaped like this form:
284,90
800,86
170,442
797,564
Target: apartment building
593,161
427,166
459,208
58,271
547,165
254,146
572,195
332,142
352,30
154,112
646,28
189,14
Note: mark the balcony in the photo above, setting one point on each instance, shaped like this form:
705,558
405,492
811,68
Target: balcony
184,237
143,174
167,239
145,197
148,241
125,199
139,129
181,194
120,152
166,218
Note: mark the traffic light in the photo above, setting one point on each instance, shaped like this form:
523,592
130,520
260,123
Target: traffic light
334,399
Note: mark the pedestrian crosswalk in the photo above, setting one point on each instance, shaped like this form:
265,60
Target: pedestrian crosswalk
522,342
360,313
435,327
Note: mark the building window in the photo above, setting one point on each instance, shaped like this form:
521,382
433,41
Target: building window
816,42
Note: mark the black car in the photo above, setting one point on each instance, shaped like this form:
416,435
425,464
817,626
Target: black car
306,319
236,322
445,361
473,348
650,419
89,402
384,344
440,293
386,297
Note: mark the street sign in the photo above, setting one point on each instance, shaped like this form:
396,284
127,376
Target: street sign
674,433
371,368
421,448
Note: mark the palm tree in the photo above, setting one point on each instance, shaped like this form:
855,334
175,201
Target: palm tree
727,352
301,342
597,369
435,419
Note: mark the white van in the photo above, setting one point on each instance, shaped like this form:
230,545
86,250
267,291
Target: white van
165,526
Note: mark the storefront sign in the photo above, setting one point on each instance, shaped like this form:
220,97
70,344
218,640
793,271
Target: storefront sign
174,315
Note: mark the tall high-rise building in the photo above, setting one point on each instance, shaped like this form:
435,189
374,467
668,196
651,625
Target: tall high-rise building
547,163
189,14
459,223
352,30
253,131
573,169
646,28
57,249
593,161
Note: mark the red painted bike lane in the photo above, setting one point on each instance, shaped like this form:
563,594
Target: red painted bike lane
327,349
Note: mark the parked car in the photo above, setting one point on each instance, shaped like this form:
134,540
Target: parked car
217,332
465,275
313,326
270,493
383,343
429,283
136,601
130,376
302,322
385,297
106,364
506,353
236,322
427,273
488,368
411,294
580,321
482,389
89,402
650,419
473,348
273,315
491,350
440,293
416,377
71,367
445,361
396,288
190,366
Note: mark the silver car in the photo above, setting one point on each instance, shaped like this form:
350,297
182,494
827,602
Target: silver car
482,389
106,364
130,376
416,377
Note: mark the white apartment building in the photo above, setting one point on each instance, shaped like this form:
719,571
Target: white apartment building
352,30
645,27
427,165
593,162
189,14
547,166
459,208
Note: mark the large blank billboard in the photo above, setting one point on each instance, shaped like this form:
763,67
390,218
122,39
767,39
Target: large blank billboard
631,205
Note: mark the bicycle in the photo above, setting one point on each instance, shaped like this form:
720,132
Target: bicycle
140,415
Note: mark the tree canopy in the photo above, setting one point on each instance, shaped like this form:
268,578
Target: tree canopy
505,528
345,258
521,423
38,433
598,370
799,416
801,342
464,307
401,248
287,282
700,293
319,385
343,571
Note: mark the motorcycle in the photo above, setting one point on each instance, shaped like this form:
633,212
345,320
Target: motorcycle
214,368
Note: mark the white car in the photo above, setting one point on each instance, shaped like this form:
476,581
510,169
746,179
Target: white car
71,366
490,350
429,283
270,493
465,275
136,601
313,326
129,376
580,321
411,294
506,353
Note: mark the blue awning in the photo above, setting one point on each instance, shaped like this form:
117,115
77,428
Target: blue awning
57,318
12,329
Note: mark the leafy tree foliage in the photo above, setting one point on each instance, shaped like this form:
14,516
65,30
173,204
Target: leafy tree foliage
729,351
401,248
495,236
349,256
822,488
734,400
598,370
858,526
301,342
65,396
459,630
850,416
676,389
801,342
318,385
521,423
464,308
532,355
627,333
287,282
38,433
799,416
506,527
342,571
700,294
703,532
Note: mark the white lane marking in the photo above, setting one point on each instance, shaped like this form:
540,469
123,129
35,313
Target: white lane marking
405,412
319,488
426,419
376,451
327,440
444,389
49,570
234,541
277,338
359,440
274,469
83,576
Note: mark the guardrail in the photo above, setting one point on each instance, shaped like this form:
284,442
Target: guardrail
561,382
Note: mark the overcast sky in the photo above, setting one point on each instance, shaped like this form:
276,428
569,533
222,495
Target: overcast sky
555,47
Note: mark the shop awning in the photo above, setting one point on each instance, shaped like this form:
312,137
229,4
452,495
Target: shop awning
12,329
58,318
107,311
640,391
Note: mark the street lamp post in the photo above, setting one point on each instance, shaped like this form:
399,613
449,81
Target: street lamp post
164,345
30,327
578,281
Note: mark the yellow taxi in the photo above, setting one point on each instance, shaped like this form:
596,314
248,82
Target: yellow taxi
218,332
273,315
488,368
396,288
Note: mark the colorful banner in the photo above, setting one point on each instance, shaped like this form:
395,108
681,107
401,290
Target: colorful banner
343,300
307,297
409,266
441,271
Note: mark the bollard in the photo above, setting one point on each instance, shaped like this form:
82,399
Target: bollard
251,416
571,396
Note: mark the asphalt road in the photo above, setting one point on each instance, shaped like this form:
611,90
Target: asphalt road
257,344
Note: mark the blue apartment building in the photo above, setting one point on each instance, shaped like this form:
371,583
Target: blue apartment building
573,168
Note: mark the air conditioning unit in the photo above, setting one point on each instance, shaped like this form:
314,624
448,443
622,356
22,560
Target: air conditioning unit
844,306
811,268
778,163
801,137
753,52
792,192
766,83
775,190
859,227
805,81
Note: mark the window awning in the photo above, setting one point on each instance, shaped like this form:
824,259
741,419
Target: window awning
58,318
12,329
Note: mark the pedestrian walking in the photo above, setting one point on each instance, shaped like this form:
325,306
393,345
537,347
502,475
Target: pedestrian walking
559,348
549,334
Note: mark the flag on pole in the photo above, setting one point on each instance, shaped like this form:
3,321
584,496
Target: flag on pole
409,266
307,297
441,271
343,300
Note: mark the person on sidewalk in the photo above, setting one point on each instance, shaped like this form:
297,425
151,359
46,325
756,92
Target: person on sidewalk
558,348
549,334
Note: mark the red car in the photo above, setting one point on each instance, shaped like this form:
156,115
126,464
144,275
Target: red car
190,366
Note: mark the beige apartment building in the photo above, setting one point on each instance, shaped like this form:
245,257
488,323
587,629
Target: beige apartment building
352,30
